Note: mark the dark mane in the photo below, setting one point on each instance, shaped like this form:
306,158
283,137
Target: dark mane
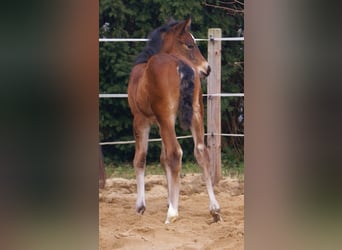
154,43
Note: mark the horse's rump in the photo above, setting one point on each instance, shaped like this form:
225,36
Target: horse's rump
134,79
164,85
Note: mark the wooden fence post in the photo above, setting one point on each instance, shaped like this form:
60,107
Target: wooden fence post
214,104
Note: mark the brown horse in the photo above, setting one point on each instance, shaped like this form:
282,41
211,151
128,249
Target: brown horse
164,83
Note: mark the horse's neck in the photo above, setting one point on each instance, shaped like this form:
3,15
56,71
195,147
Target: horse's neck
181,57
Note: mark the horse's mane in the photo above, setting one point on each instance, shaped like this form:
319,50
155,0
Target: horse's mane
154,42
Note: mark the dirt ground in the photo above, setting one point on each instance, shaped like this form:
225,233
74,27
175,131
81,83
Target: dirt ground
121,228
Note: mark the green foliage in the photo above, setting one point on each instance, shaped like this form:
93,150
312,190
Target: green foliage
135,19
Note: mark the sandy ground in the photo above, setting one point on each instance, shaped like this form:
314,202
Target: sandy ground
121,228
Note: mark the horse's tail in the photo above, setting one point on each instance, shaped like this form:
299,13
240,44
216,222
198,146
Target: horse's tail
186,94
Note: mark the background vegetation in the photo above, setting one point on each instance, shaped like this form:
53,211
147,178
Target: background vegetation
135,19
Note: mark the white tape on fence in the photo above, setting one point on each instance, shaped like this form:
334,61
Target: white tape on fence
218,94
226,94
145,39
236,135
123,39
113,95
159,139
131,142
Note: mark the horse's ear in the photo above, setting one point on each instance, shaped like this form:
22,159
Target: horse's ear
187,24
183,26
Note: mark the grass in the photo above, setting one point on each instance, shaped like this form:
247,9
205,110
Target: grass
126,170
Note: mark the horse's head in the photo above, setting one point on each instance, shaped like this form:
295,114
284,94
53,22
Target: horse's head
179,41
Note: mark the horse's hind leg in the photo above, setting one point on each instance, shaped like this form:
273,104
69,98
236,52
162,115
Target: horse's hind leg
171,159
164,164
202,157
141,127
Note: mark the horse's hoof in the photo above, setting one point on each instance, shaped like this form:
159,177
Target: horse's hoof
172,214
141,210
216,216
171,219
